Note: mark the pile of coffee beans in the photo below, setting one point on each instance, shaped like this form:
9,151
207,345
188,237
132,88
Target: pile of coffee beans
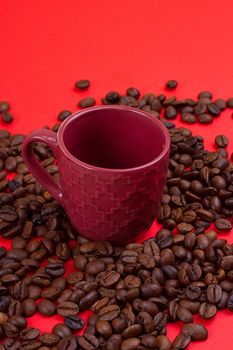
133,291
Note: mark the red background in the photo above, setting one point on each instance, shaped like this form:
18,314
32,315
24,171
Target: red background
47,45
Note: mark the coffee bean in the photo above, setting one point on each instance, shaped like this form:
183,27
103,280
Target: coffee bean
196,331
207,310
4,106
133,92
10,330
108,313
206,94
74,322
112,97
63,115
213,109
114,342
214,293
223,224
181,341
130,344
18,321
46,307
67,308
88,342
29,307
49,339
163,343
86,102
3,318
82,84
205,119
88,300
221,141
170,112
109,278
184,315
7,117
230,102
171,84
188,118
61,330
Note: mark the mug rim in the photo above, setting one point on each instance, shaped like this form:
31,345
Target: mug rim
80,113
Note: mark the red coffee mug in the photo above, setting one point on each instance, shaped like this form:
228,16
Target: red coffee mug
112,165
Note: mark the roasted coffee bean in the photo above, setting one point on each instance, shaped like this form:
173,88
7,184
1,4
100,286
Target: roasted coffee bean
133,92
109,278
163,343
184,315
171,84
49,339
3,318
221,141
223,224
4,106
188,118
51,293
29,307
18,321
87,102
114,342
63,115
207,310
7,117
88,342
205,119
108,313
230,102
213,109
69,343
112,97
10,330
61,330
88,300
67,308
55,269
170,112
104,328
74,322
46,307
181,341
82,84
130,344
230,302
196,331
214,293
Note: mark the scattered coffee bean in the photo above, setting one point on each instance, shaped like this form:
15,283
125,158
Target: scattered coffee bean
4,106
63,115
7,117
46,307
221,141
74,322
82,84
86,102
230,102
171,84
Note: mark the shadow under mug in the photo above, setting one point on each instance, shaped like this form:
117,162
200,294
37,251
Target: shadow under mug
112,164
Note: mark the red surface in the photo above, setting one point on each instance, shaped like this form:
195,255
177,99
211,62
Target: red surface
47,45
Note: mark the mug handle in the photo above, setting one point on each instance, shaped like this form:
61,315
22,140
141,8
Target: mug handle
38,171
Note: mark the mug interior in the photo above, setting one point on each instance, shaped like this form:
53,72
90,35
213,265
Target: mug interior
114,138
